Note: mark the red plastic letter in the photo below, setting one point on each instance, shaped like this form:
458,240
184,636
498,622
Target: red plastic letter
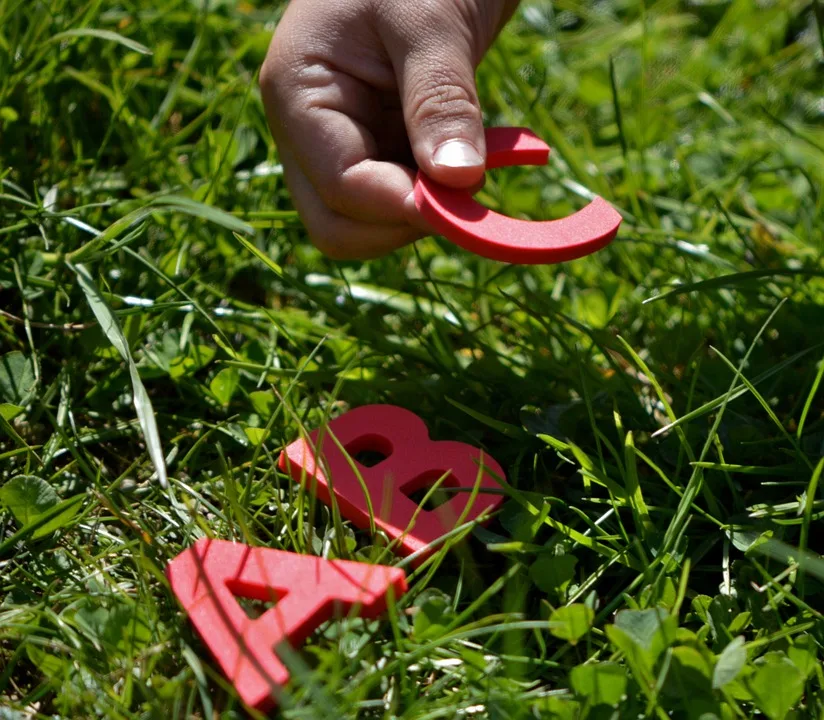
464,221
307,591
412,462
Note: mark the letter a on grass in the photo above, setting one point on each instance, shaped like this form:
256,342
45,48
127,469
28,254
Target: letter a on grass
306,591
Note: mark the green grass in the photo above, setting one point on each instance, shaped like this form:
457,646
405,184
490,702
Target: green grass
657,407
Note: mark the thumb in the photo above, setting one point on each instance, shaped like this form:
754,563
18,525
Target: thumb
436,81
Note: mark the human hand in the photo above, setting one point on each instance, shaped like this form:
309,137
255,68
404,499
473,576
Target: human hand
358,93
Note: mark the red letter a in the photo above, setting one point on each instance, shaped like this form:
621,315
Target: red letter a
307,591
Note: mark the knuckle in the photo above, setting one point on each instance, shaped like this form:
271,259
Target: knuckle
438,99
268,72
278,67
420,18
428,13
271,74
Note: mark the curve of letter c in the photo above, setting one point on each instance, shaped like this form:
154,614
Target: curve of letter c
464,221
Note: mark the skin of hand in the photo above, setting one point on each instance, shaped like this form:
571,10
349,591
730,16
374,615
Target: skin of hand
359,93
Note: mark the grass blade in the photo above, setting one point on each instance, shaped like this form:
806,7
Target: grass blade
758,396
164,205
810,397
696,480
724,399
142,403
732,280
102,35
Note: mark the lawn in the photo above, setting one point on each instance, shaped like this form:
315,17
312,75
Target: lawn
657,407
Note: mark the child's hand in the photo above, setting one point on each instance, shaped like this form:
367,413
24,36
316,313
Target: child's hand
359,91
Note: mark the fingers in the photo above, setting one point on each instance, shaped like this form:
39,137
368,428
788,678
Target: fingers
433,49
318,113
337,236
328,85
354,203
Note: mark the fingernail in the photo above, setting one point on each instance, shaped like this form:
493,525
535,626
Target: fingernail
457,154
